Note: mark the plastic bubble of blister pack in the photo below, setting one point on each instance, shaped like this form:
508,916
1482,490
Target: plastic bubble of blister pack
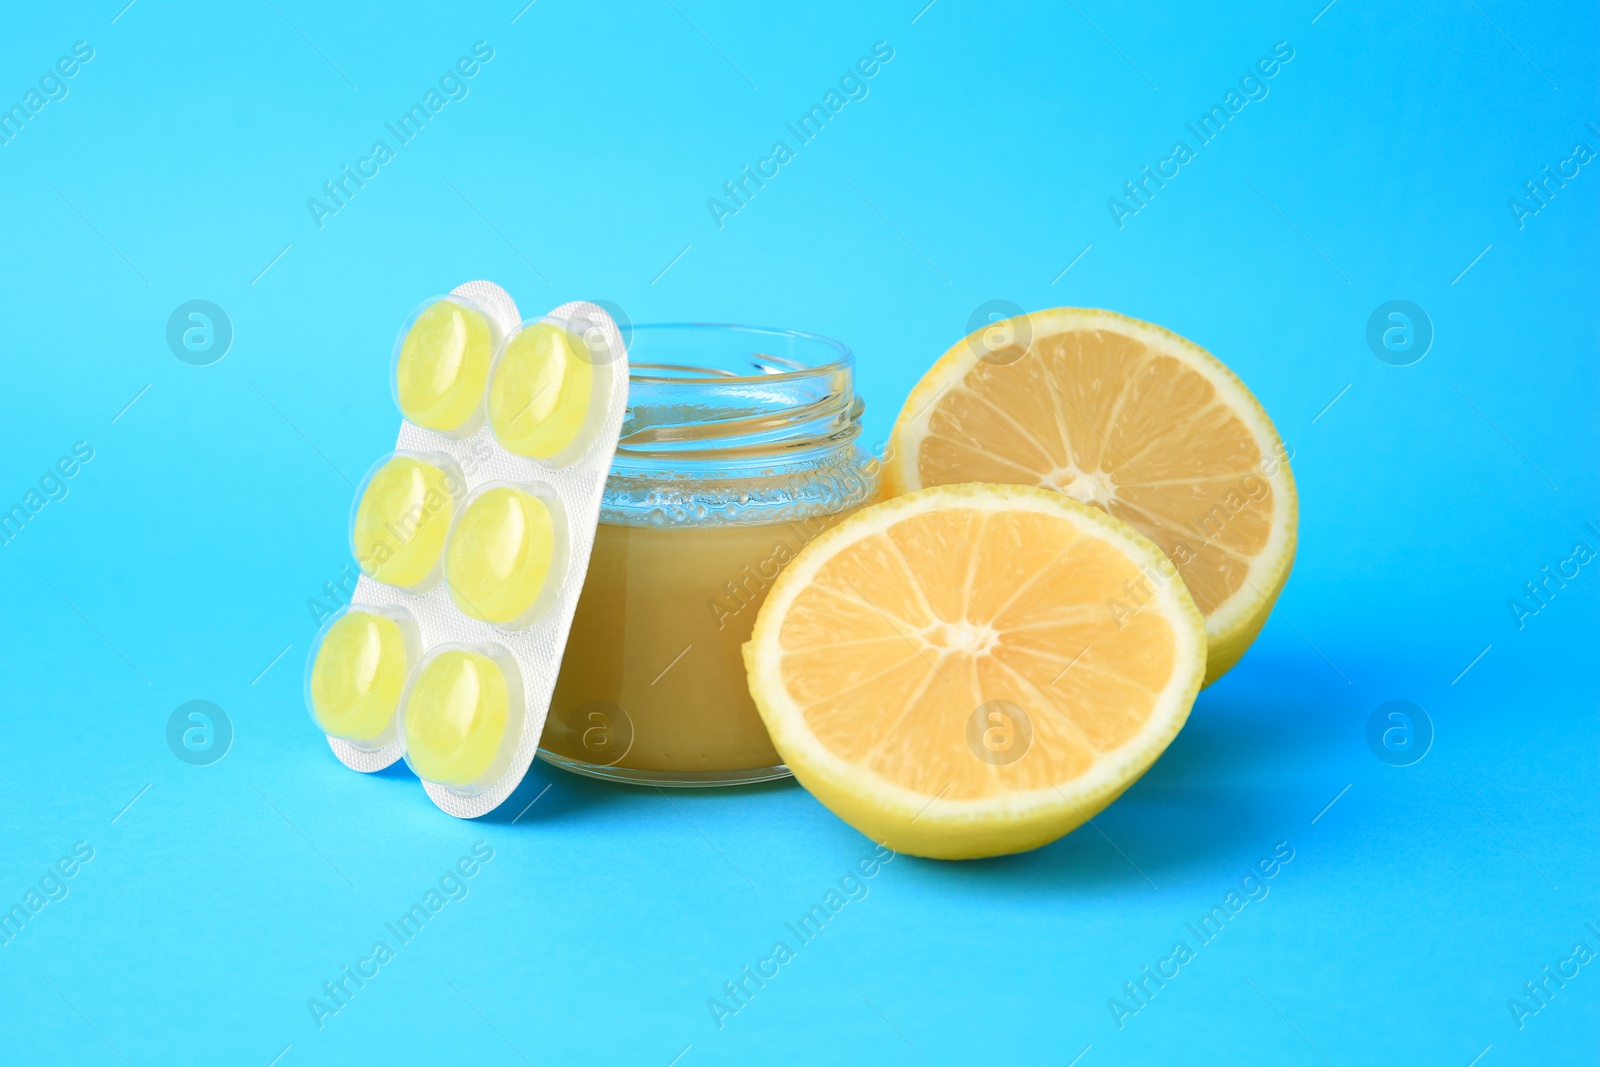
473,536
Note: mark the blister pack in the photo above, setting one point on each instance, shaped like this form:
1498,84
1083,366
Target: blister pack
473,538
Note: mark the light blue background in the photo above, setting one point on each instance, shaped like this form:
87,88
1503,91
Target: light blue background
978,168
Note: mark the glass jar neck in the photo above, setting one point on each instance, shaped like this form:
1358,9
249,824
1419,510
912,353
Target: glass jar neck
736,424
736,397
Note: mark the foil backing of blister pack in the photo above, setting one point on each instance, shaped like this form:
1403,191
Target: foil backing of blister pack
579,485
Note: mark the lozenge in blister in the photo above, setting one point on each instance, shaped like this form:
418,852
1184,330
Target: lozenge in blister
506,553
401,516
441,362
460,724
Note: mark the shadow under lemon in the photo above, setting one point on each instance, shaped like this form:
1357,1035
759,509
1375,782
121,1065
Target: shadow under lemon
653,679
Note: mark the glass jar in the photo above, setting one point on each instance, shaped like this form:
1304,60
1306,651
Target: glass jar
739,446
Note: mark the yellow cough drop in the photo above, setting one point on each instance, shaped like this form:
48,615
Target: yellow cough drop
499,555
402,521
444,362
358,676
455,719
539,395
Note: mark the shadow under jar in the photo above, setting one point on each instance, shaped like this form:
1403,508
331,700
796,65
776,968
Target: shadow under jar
739,446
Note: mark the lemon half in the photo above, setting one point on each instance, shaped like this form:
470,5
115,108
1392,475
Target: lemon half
945,673
1133,419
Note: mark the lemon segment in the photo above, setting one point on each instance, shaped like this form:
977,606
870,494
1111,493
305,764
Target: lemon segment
442,367
455,717
358,675
1130,418
499,556
540,391
972,670
401,522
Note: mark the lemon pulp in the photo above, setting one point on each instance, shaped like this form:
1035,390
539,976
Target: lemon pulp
455,719
499,555
402,521
539,395
443,364
358,674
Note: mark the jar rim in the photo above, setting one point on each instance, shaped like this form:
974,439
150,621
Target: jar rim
703,400
840,356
